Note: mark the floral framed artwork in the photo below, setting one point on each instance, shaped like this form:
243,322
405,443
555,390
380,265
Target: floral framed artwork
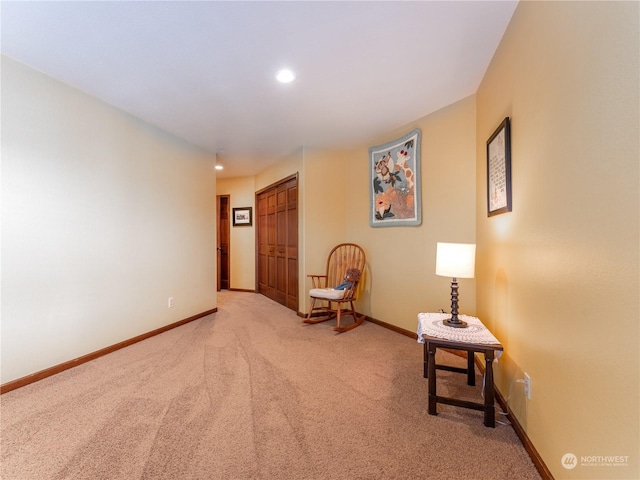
394,183
242,217
499,170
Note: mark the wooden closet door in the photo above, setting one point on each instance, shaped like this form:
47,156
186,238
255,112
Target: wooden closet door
291,245
266,243
281,244
277,235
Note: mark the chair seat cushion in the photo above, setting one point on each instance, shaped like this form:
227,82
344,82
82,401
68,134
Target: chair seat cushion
327,293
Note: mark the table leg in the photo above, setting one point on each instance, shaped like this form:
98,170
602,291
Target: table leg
489,392
471,369
426,361
432,378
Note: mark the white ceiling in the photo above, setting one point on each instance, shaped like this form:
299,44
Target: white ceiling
204,70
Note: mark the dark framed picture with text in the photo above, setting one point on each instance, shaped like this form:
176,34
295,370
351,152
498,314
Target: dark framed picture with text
242,217
499,170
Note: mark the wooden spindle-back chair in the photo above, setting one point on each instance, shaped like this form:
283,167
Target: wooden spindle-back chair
345,267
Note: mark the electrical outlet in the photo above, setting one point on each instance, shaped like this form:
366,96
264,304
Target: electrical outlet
170,302
527,386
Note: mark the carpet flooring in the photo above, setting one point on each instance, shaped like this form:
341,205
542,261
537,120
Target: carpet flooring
252,393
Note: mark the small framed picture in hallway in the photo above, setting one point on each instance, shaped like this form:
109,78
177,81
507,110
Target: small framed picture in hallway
242,217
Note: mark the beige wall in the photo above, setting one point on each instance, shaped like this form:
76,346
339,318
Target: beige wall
243,239
289,165
103,218
557,279
325,215
401,260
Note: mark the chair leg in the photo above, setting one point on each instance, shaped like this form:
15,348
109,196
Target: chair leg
356,320
313,304
329,315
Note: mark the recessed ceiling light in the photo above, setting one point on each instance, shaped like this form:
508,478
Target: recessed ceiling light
219,167
285,76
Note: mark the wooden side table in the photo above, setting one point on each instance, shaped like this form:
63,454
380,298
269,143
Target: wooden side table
430,346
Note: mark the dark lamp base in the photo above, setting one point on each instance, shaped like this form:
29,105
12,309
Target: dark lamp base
455,323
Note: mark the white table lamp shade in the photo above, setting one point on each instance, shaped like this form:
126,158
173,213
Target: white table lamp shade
455,260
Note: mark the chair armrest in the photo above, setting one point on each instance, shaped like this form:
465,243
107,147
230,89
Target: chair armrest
316,281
